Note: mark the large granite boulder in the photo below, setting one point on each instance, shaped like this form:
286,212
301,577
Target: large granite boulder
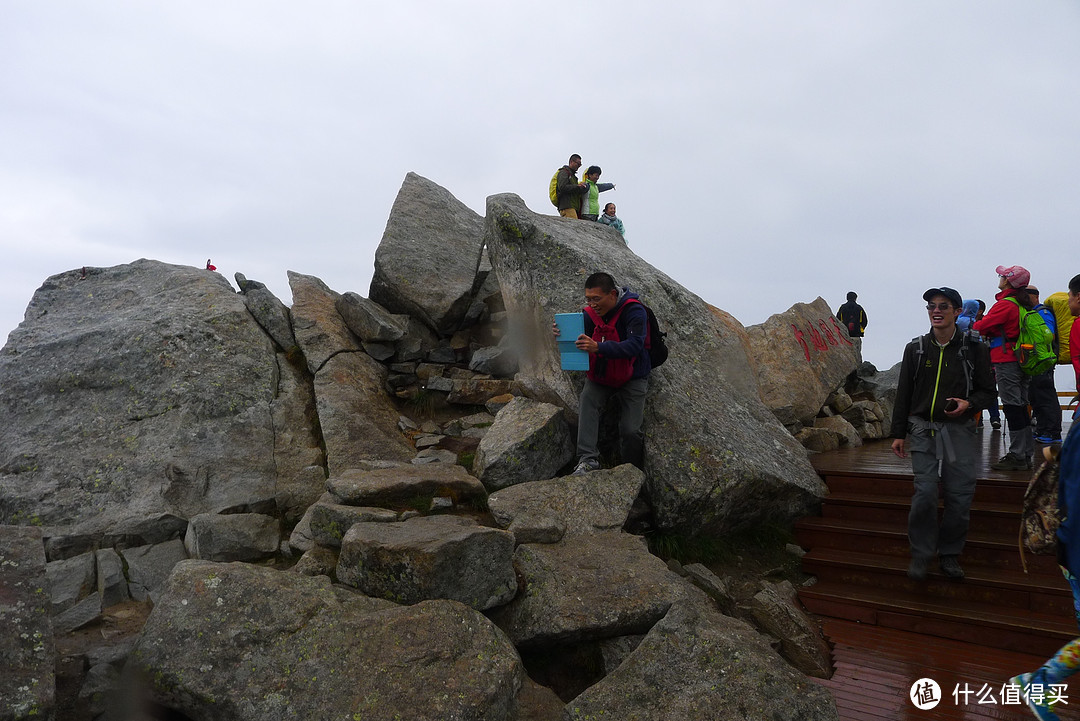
298,457
426,265
232,537
715,456
587,588
868,383
149,567
427,558
775,610
329,522
71,580
320,330
698,665
398,485
529,441
138,390
598,501
370,321
801,356
358,420
27,649
268,311
247,643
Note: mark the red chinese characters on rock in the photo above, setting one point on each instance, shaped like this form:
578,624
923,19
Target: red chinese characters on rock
826,333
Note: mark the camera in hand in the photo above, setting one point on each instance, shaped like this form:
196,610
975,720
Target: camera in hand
951,405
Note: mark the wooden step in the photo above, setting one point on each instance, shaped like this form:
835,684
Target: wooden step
997,550
986,516
991,586
987,624
991,490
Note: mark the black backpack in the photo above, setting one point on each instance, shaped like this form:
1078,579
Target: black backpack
658,350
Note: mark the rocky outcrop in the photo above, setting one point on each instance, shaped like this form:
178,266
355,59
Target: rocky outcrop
269,312
370,321
542,512
776,611
320,330
398,485
696,665
138,390
427,558
233,537
148,405
359,423
529,441
801,356
582,589
261,644
426,265
27,648
716,458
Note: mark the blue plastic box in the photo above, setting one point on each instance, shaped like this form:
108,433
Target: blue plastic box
571,325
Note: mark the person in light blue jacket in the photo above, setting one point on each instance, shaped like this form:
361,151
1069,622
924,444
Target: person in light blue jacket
609,218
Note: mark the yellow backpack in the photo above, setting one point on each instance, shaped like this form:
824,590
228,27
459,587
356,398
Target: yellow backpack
1059,303
553,187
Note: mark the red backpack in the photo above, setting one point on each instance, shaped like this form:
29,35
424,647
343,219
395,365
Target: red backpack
611,371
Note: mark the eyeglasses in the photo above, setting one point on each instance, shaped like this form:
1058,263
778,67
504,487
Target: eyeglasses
594,299
939,306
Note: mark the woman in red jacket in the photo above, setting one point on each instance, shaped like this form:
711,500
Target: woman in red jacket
1001,326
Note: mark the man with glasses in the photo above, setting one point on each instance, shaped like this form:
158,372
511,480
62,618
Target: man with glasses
944,383
616,328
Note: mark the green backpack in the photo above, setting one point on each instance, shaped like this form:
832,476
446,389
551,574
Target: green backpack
1035,344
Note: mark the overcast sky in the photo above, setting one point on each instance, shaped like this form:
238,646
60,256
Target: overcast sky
765,152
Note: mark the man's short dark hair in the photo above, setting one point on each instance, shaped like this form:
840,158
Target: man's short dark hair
593,169
1074,285
982,303
852,295
603,281
574,157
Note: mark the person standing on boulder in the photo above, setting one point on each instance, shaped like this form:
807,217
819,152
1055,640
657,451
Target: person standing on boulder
852,316
616,326
590,203
944,382
568,191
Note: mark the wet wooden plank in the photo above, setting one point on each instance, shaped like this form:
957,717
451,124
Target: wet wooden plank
876,667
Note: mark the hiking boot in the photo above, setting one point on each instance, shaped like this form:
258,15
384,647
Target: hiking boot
1012,462
950,566
1037,698
585,465
916,570
996,425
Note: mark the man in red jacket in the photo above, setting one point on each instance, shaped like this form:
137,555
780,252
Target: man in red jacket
1001,325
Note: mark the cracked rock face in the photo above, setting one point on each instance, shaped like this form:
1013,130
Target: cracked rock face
262,644
138,390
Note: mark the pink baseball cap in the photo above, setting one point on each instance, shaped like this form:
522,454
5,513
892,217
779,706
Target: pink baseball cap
1017,275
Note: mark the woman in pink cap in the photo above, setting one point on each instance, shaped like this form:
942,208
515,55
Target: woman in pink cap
1001,326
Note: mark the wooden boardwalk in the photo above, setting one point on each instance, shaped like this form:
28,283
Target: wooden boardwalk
888,632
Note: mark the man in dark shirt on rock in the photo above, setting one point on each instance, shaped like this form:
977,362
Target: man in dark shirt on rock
944,382
852,316
567,189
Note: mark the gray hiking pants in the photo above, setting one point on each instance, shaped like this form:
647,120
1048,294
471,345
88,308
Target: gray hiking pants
941,453
1013,386
631,399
